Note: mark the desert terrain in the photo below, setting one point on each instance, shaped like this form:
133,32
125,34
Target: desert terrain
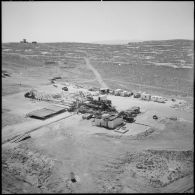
67,154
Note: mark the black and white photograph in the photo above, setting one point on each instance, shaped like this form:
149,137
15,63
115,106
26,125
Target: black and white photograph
97,97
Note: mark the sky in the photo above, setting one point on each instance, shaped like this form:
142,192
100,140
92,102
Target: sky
85,21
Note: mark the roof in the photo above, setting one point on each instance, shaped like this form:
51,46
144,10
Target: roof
111,118
46,112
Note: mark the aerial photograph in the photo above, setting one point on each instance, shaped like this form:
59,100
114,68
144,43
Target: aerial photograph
97,97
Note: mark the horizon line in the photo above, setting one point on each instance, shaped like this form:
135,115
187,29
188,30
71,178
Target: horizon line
96,42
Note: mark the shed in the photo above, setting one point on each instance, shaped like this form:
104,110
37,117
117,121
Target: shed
104,90
117,92
109,122
114,121
102,97
137,95
124,93
45,113
145,96
111,92
158,99
154,98
98,121
129,93
104,123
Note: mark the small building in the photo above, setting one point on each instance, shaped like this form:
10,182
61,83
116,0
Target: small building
114,121
111,92
98,122
130,93
102,97
117,92
104,90
124,94
48,112
145,96
158,99
24,41
154,98
34,42
110,122
137,95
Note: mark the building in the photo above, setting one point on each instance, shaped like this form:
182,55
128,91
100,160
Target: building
100,98
137,95
117,92
98,122
158,99
114,121
34,42
111,92
145,96
125,94
104,90
24,41
110,122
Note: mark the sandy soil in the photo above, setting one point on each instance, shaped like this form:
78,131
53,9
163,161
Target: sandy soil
96,73
97,156
158,159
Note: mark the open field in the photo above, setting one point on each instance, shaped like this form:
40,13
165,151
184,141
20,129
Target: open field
153,156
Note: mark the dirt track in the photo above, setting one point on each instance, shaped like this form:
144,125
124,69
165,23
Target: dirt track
96,73
42,163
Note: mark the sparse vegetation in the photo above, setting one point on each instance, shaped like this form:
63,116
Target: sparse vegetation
151,156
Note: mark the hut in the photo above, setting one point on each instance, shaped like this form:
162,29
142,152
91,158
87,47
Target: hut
48,112
117,92
110,122
137,95
145,96
104,90
125,94
158,99
114,121
102,97
98,121
24,41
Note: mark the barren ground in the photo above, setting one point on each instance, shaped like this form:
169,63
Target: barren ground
139,161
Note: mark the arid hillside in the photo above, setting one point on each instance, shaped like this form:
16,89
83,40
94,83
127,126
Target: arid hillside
165,67
69,126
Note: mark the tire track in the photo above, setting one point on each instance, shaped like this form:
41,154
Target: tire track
96,73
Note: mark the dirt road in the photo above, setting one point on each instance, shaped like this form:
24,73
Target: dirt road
96,73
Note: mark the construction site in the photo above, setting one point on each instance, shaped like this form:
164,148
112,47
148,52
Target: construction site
68,138
86,116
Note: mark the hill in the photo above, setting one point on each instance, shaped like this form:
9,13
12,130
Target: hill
155,66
